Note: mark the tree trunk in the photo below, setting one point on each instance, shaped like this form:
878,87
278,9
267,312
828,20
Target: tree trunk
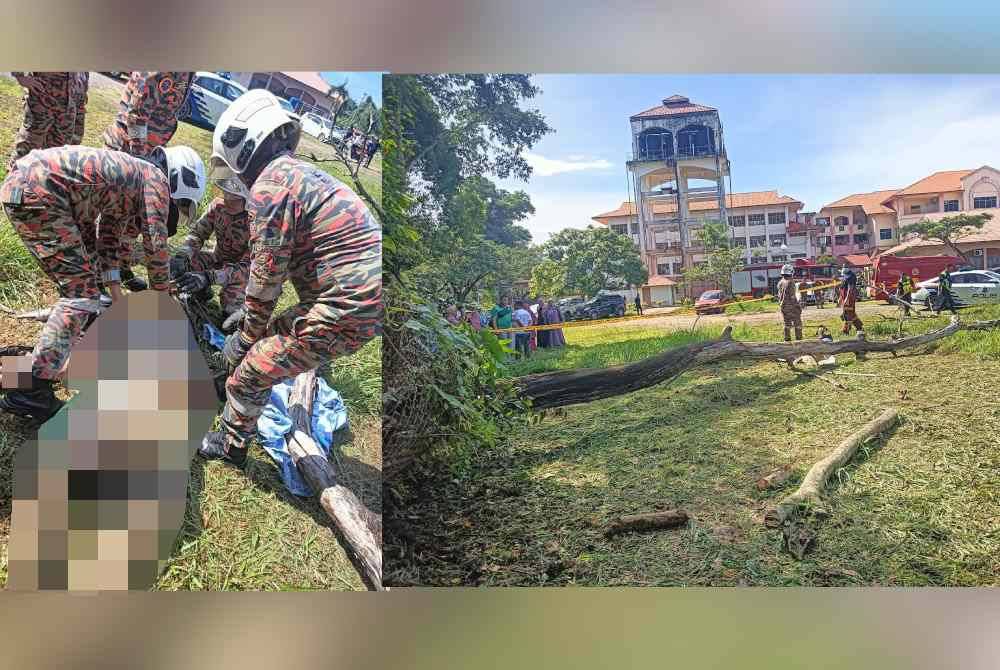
816,478
360,527
571,387
644,522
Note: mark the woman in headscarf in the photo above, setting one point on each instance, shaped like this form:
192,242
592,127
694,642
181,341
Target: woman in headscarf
554,315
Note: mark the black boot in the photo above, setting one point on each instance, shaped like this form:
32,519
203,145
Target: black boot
39,402
214,446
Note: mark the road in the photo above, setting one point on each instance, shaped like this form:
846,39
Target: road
669,321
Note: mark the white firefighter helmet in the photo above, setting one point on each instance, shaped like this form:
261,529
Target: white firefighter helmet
228,182
185,176
787,270
245,125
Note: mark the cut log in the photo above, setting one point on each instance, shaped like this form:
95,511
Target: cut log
571,387
816,478
360,528
638,523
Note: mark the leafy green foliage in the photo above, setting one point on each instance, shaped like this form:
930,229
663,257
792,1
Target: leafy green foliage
722,259
548,278
597,259
948,229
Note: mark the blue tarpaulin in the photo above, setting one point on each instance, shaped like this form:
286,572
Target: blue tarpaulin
328,416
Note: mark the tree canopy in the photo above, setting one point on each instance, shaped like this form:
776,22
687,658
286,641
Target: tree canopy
948,230
596,259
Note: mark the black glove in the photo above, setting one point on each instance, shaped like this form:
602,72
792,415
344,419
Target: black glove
234,351
180,264
234,320
133,283
192,282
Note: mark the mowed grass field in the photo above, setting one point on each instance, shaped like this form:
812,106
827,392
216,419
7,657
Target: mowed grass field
919,508
242,531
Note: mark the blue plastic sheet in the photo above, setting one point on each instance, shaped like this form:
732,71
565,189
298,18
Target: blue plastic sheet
328,416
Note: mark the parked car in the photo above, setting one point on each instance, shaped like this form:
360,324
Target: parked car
974,287
710,302
601,306
209,96
318,126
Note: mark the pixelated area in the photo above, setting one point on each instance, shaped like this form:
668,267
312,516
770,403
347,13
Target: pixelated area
15,372
99,496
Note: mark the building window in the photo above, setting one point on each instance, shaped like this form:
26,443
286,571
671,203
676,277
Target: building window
777,240
780,258
841,221
951,205
620,228
736,221
822,221
842,240
758,259
663,267
984,202
885,233
655,144
859,226
776,218
758,241
756,219
823,240
861,239
794,256
915,209
740,242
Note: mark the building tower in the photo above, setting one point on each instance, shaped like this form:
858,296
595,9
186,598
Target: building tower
672,144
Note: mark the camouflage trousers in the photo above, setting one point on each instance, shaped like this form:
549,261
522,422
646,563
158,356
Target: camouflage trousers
231,295
53,115
792,316
57,244
295,343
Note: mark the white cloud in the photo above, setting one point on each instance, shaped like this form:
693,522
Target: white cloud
555,210
546,167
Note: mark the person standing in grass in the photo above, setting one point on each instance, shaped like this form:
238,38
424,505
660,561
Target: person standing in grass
522,340
638,305
788,301
54,111
904,292
552,316
848,299
500,316
147,113
946,299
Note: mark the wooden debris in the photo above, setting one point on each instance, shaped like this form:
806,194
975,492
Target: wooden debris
816,478
639,523
360,527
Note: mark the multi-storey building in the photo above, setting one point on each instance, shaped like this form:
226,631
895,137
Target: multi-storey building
767,225
945,194
858,224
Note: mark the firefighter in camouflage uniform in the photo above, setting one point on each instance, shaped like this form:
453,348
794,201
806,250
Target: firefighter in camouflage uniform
147,114
54,111
304,226
228,264
69,206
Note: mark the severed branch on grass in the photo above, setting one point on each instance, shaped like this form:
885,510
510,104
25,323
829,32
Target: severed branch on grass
571,387
812,485
638,523
360,528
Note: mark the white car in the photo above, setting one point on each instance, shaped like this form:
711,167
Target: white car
209,96
970,287
319,127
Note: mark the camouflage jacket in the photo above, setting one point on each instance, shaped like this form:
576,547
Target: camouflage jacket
57,88
310,228
787,298
85,184
232,237
147,114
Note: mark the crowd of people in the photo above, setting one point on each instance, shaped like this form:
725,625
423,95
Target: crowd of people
509,315
361,147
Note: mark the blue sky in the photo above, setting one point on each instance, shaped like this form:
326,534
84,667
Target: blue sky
816,138
359,84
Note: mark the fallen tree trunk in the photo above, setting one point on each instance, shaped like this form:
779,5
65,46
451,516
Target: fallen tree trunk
816,478
359,526
570,387
638,523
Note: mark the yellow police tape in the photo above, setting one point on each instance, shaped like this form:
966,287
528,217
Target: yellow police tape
680,311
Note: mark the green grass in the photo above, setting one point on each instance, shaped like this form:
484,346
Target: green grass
916,509
241,531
